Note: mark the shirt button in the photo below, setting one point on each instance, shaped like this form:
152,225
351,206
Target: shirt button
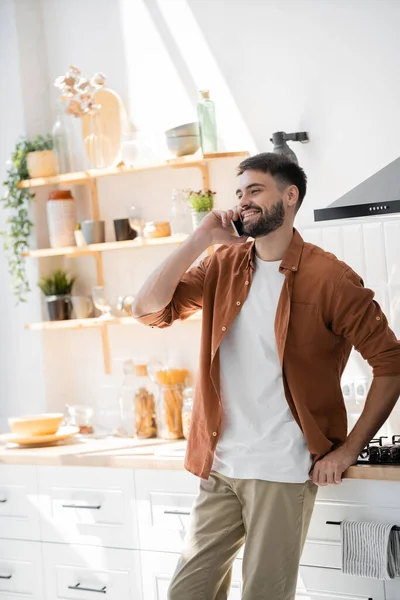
214,433
378,318
238,303
224,328
294,268
246,282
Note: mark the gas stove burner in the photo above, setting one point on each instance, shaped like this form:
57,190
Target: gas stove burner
377,452
379,441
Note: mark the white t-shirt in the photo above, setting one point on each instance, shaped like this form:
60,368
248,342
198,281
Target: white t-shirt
260,438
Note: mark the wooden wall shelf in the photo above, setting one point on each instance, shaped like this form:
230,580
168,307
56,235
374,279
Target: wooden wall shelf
90,323
89,178
94,248
83,177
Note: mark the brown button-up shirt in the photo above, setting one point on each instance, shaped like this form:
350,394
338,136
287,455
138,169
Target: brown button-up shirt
323,311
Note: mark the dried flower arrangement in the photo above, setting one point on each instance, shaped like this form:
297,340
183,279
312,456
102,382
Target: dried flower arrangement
79,92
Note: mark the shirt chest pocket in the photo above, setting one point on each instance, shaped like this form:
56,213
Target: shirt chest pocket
302,324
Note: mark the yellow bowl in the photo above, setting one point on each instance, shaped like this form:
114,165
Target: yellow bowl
28,425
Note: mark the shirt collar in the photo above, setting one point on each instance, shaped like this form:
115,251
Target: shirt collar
292,256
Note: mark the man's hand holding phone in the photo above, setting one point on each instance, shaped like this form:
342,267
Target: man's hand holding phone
222,227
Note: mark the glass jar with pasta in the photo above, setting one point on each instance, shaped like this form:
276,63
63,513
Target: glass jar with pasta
144,404
171,384
187,410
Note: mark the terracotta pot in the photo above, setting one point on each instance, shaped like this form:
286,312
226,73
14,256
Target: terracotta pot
41,164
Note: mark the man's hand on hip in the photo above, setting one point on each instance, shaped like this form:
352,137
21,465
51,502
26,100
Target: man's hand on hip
331,467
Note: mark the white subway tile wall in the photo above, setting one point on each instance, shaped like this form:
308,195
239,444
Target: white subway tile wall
372,248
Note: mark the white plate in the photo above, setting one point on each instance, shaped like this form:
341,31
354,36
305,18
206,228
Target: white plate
40,440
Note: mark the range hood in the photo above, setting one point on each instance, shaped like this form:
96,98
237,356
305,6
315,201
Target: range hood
379,194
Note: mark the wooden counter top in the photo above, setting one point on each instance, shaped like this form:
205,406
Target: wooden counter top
140,454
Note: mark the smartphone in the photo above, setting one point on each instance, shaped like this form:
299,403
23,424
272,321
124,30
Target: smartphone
238,227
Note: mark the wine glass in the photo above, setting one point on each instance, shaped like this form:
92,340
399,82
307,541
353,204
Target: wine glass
136,220
102,302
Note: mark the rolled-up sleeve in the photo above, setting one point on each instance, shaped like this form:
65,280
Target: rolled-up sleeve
359,318
187,299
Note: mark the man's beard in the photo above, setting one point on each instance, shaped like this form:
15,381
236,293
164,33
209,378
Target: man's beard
267,221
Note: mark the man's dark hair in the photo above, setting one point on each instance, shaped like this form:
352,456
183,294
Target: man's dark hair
281,168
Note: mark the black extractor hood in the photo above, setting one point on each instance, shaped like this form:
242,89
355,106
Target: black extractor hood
377,195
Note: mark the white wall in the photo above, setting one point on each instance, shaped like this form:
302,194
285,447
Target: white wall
22,385
325,66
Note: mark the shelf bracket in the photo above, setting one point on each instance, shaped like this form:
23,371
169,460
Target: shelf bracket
92,184
98,257
106,349
202,165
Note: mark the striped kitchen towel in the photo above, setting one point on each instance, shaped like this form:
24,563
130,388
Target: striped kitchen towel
370,549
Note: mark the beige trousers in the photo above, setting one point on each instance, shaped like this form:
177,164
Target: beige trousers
270,518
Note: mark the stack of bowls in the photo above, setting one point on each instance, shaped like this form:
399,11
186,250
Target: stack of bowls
183,140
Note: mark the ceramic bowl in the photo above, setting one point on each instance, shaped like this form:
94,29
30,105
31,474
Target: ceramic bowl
45,424
183,130
183,145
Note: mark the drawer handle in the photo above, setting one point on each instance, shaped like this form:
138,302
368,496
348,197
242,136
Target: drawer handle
81,506
394,528
177,512
83,589
5,576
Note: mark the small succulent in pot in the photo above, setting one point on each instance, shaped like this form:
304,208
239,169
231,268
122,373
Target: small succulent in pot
57,288
201,202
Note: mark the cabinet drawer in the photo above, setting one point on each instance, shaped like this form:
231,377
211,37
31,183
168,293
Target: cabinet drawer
86,572
330,584
88,506
353,501
164,500
19,515
21,570
159,567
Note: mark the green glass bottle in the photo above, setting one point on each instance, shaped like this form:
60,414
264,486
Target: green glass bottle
207,123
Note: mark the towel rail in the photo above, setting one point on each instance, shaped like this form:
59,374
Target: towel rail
395,527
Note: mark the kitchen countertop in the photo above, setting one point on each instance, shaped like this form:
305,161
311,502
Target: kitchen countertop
140,454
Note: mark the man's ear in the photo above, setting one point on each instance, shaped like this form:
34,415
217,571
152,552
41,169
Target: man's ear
292,195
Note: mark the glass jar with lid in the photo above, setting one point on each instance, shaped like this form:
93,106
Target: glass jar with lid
171,383
137,402
188,395
145,404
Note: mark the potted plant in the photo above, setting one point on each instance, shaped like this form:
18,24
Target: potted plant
18,225
41,159
57,288
201,202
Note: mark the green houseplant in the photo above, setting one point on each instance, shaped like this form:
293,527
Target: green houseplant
57,288
201,202
16,201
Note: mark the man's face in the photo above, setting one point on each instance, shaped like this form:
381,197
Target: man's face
261,203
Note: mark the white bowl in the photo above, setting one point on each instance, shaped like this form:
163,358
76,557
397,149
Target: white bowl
28,425
183,130
183,145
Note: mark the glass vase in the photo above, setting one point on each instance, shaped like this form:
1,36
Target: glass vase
97,144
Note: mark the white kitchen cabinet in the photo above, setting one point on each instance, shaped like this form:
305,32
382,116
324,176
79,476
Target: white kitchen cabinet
392,589
19,514
85,572
353,501
159,567
315,583
164,500
21,573
82,505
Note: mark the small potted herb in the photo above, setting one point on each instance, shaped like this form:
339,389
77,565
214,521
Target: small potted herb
40,158
202,203
57,289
